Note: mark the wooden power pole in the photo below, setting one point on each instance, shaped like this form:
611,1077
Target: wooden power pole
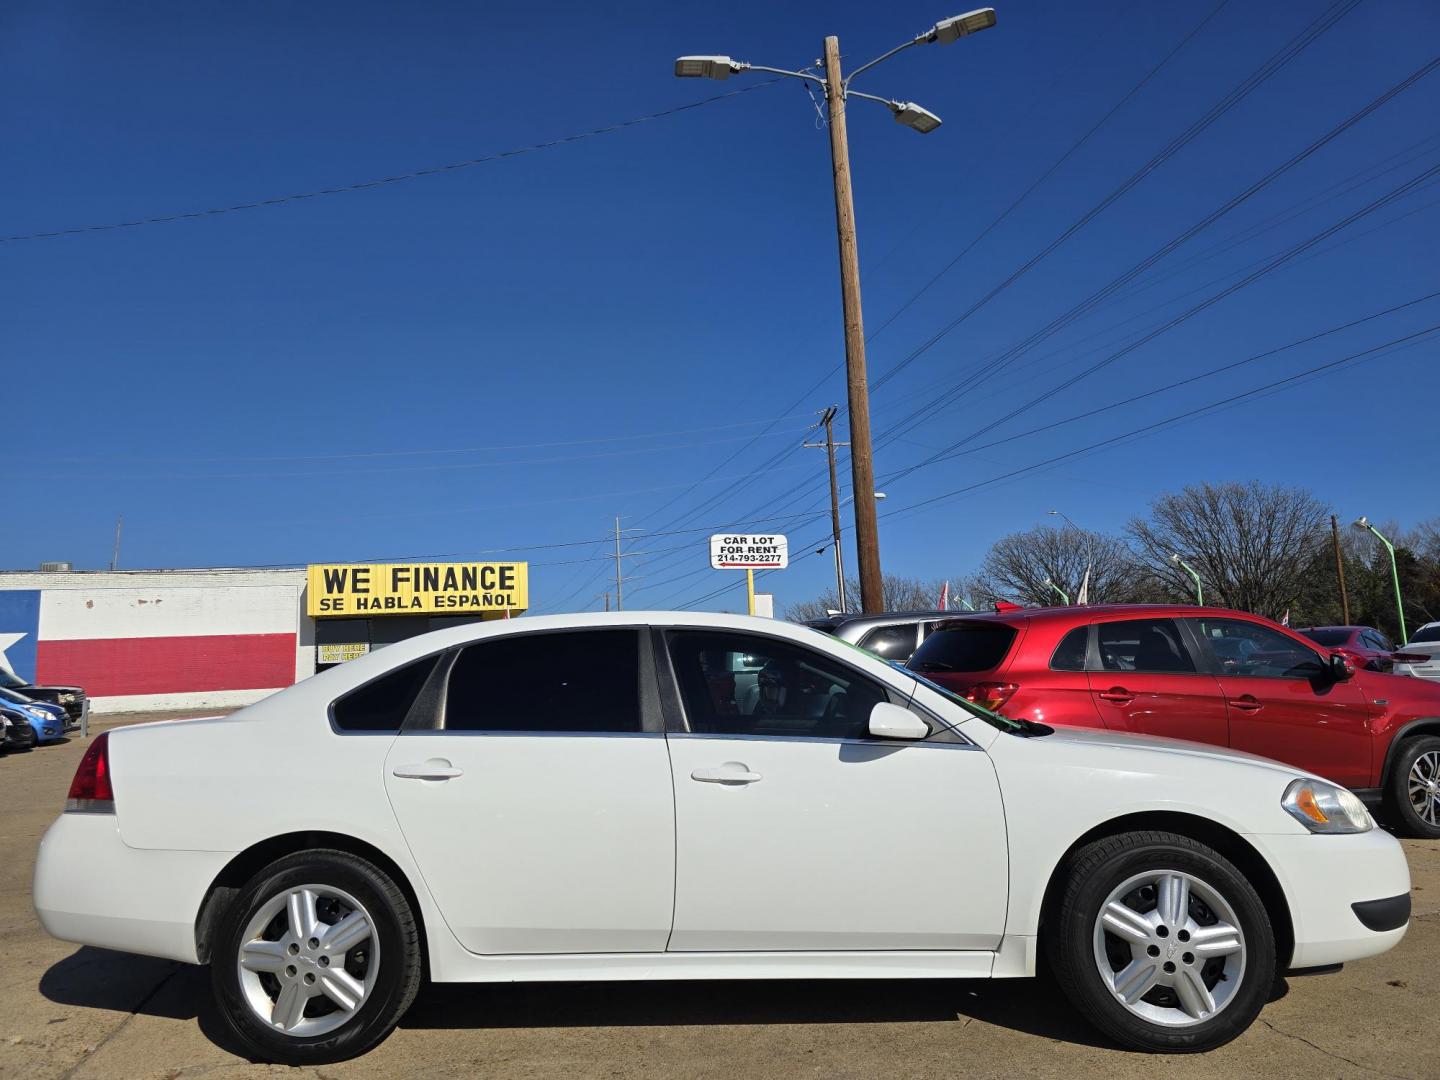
827,418
1340,570
862,469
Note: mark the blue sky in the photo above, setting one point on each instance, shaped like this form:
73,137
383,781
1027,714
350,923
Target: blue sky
613,319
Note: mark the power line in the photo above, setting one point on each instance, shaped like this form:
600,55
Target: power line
399,178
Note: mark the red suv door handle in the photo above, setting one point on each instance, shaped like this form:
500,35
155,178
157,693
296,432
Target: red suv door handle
1116,694
1246,703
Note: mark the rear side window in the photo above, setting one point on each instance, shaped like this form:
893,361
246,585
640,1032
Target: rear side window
579,681
1070,654
1143,645
381,705
891,642
965,646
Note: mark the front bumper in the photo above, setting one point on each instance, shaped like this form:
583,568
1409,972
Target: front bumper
92,889
1324,877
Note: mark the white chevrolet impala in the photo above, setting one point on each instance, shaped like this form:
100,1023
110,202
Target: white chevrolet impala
685,796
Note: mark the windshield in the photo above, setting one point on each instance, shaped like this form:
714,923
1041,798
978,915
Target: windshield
1428,633
10,679
9,695
1328,637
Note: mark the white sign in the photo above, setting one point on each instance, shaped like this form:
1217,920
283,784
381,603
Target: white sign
746,552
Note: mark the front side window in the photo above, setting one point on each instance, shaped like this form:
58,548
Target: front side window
382,704
740,684
1144,645
891,642
579,681
1246,648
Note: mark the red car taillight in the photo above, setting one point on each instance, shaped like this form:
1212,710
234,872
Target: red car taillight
991,695
90,791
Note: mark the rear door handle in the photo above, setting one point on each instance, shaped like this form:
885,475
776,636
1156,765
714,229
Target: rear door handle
732,773
434,769
1118,695
1245,704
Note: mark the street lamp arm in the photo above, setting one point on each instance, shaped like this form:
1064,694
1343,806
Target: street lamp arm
887,102
781,71
919,39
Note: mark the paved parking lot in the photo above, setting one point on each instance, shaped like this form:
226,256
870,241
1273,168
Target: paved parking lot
77,1012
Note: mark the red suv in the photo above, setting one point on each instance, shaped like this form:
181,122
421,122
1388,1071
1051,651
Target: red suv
1208,675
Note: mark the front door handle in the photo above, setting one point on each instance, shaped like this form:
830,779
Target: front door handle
1117,695
732,774
434,769
1245,703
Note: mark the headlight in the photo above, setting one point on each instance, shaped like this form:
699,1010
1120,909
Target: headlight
1325,808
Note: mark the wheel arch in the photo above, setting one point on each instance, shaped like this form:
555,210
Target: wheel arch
1425,725
253,859
1227,842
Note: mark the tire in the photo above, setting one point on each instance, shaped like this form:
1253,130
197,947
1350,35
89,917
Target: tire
373,962
1416,762
1168,984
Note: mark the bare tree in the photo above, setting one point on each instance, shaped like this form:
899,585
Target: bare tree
900,594
1021,567
1253,545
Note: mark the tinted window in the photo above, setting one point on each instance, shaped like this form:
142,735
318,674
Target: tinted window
581,681
1152,645
381,705
1428,633
1244,648
1330,638
964,646
1070,654
1381,642
891,642
738,684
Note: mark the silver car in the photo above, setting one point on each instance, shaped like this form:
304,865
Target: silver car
895,635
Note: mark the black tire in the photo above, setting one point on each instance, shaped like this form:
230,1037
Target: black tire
1400,810
1070,940
395,984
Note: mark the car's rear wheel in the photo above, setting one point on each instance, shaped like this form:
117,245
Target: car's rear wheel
1412,792
316,960
1161,943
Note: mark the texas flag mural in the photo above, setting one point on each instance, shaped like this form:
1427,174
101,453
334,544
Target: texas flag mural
183,645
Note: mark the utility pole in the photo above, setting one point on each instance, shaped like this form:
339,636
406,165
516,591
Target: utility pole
1340,571
606,595
619,577
862,467
827,418
115,557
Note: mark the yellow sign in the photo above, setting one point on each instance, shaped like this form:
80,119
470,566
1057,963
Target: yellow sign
417,588
338,654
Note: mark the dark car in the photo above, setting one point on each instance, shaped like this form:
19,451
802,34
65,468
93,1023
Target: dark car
70,698
1207,675
1364,646
17,732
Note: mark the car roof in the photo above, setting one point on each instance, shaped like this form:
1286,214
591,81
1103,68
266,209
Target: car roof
1076,613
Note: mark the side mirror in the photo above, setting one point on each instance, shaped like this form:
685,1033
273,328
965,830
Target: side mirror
889,721
1339,667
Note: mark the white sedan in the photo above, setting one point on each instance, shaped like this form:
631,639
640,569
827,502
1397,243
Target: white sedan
1420,656
685,796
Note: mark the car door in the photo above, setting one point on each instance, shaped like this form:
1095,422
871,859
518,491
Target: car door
538,804
795,830
1283,704
1144,678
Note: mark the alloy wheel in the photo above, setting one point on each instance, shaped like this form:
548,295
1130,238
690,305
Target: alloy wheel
1170,948
308,960
1423,787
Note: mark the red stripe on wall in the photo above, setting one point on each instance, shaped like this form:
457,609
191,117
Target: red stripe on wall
168,665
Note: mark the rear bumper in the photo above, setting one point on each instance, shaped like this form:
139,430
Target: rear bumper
92,889
1329,881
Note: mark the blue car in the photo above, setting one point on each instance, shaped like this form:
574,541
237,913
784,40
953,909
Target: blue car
49,721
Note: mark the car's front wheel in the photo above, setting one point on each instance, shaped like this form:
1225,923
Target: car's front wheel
1161,942
1413,789
316,960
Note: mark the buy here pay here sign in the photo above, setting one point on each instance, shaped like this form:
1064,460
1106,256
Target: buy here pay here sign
729,551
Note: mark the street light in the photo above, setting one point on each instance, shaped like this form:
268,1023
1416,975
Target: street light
1363,523
1063,594
1199,592
837,91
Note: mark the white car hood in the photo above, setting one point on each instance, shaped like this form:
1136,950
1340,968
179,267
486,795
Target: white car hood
1123,741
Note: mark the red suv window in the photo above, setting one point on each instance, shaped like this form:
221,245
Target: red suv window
965,646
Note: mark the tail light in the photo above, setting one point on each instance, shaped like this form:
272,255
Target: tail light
1409,658
90,791
991,695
